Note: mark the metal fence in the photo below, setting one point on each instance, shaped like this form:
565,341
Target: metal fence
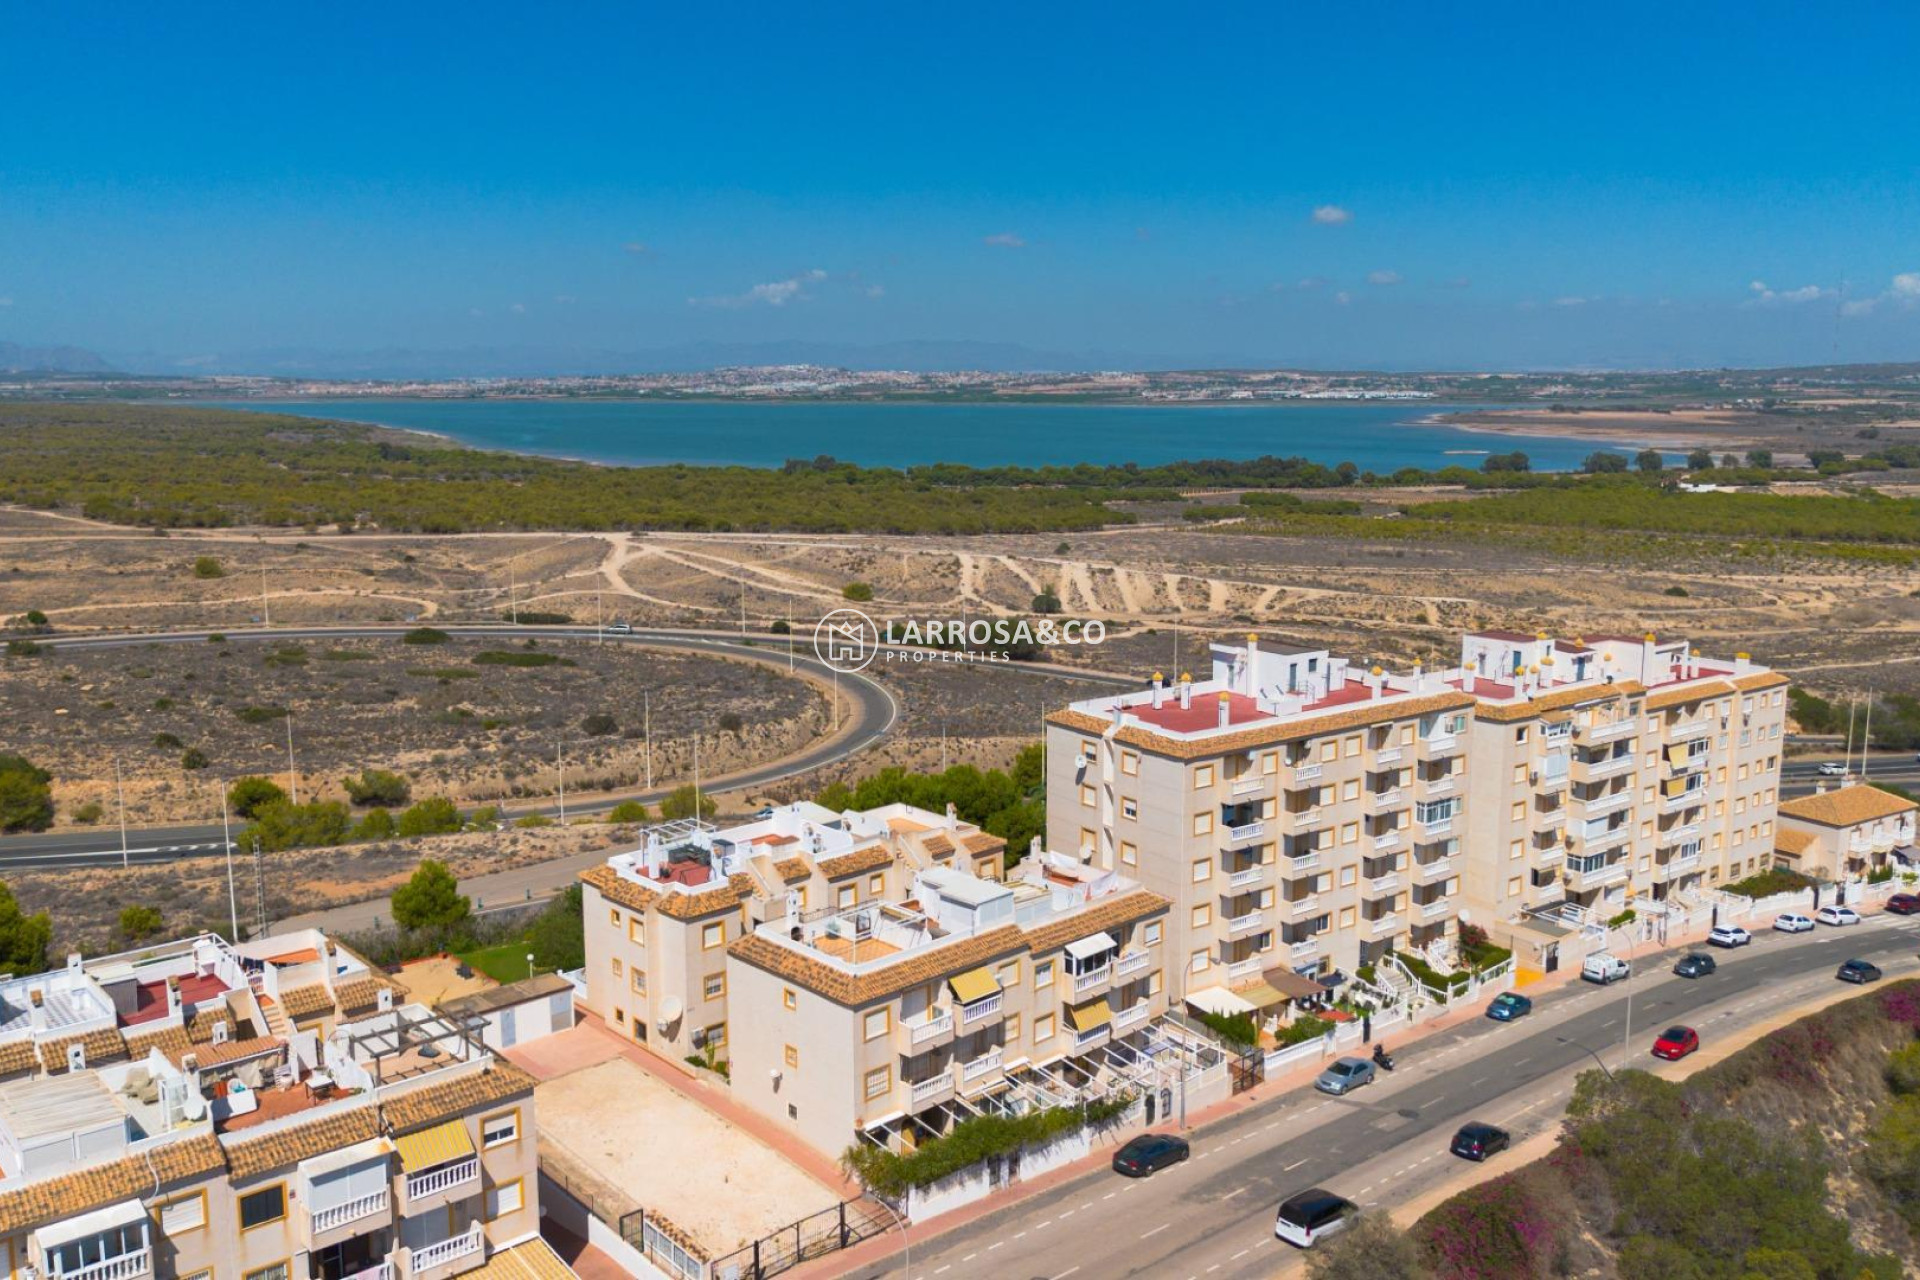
660,1248
814,1236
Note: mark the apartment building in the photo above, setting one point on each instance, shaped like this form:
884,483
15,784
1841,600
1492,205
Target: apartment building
1302,814
1846,833
1611,771
266,1111
659,918
890,1020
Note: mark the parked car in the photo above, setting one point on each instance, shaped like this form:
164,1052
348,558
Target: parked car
1837,916
1859,971
1604,967
1148,1152
1344,1076
1791,922
1509,1005
1832,769
1676,1043
1695,965
1477,1141
1310,1217
1728,935
1903,904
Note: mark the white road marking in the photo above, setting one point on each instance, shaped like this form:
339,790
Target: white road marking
947,1267
995,1245
970,1257
1157,1230
1295,1165
1236,1257
1231,1194
1110,1195
1064,1274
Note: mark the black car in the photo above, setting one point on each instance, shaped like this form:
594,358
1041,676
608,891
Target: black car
1150,1151
1858,971
1903,904
1695,965
1477,1141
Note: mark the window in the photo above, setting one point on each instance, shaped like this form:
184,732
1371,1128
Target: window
1008,974
1087,839
1520,734
713,935
1151,934
791,1056
717,1035
1519,812
1129,808
1043,1028
1346,917
1013,1027
1086,795
1130,763
1269,762
278,1271
714,986
498,1131
613,916
1513,887
620,1017
1042,973
1202,869
789,998
1520,773
1517,849
508,1197
1129,853
1350,834
618,968
636,931
1154,980
878,1083
258,1208
849,895
637,978
1203,824
1329,750
1197,962
1348,874
1202,916
1353,745
877,1022
877,884
1351,789
188,1213
1202,776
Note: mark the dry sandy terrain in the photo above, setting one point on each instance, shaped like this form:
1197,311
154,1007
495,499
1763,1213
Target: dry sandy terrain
1720,429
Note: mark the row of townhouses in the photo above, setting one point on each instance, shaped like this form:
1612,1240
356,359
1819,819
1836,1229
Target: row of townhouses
268,1111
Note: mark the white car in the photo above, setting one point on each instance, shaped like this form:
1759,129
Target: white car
1837,915
1833,769
1792,922
619,628
1728,935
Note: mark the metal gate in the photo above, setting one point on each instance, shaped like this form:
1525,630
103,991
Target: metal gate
1247,1070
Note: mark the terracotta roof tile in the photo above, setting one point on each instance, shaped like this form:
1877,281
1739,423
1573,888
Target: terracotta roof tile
200,1026
1846,806
362,995
1760,680
854,990
1691,692
433,1103
691,906
1526,709
302,1003
1790,840
617,889
17,1056
54,1200
792,869
1125,909
104,1045
252,1157
171,1041
531,1260
1370,712
215,1055
981,842
871,858
937,845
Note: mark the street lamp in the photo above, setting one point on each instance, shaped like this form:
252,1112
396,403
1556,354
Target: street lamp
906,1242
1591,1054
529,964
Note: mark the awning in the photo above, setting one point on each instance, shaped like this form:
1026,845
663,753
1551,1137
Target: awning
1218,1000
1090,1016
1673,787
1294,986
1089,947
1260,995
125,1214
435,1146
1906,852
1677,755
975,984
348,1157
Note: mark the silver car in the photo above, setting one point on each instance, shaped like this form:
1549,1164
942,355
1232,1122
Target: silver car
1345,1076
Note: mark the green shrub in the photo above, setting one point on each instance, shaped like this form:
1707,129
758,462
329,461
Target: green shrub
167,742
431,899
1302,1029
1235,1028
484,818
533,821
510,658
1626,917
377,825
281,824
969,1142
26,648
425,635
248,795
89,813
208,567
1765,884
435,815
194,759
627,811
599,725
139,922
858,592
260,715
379,788
685,802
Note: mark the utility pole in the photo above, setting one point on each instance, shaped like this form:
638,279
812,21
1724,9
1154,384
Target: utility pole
789,635
259,890
120,790
696,776
266,606
646,714
233,905
293,779
560,764
1866,737
599,627
1851,701
513,592
743,610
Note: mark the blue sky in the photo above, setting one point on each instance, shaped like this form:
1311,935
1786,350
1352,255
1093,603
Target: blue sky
1336,185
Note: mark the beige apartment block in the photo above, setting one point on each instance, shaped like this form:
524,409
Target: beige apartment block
890,1020
1612,772
162,1116
1302,815
1846,833
659,919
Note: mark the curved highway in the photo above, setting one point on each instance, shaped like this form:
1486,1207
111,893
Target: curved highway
875,713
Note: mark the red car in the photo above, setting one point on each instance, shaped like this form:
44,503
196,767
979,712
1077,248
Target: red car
1675,1043
1903,904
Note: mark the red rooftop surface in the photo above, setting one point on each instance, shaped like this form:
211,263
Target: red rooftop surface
150,998
1483,688
690,874
1203,714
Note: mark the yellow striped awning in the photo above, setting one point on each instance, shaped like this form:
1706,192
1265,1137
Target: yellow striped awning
975,984
1090,1016
1673,787
1677,754
435,1146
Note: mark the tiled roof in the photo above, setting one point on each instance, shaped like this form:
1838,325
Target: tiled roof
937,845
1693,692
214,1055
200,1026
871,858
253,1157
1369,712
1794,841
1508,712
854,990
791,869
1846,807
17,1056
306,1002
84,1190
359,996
531,1260
1124,909
616,888
171,1041
433,1103
981,842
104,1045
1760,680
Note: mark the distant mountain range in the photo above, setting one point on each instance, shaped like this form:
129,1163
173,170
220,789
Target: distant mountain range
15,358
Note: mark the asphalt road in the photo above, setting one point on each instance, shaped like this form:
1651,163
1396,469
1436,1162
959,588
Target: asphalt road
1212,1218
1803,777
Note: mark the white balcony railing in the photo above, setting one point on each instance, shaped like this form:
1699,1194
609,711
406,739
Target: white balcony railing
1682,732
1246,831
1551,818
931,1026
339,1215
1304,819
1387,839
1092,1035
1387,755
443,1177
1297,907
378,1271
1682,800
924,1091
1431,870
451,1249
1241,879
1439,786
1131,1016
1248,786
980,1010
1383,924
1613,802
1384,884
985,1064
1438,907
1305,862
1131,963
1305,947
1438,827
1608,732
1440,744
1679,834
1304,772
1385,798
1091,978
1246,923
1241,970
124,1266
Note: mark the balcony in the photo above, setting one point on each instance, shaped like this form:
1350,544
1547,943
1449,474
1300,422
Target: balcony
1248,786
1389,883
1605,767
1608,732
1613,838
1438,907
1303,862
1131,963
929,1030
1246,831
1610,802
1246,923
449,1180
1439,747
450,1252
1550,819
1437,827
987,1064
1435,870
1250,876
1092,980
1682,799
1683,732
1549,855
1304,772
1130,1017
1591,873
1388,755
1438,786
1695,763
1678,835
1296,908
354,1217
980,1010
1385,798
1303,819
933,1089
1388,839
125,1266
1383,924
1306,947
378,1271
1241,970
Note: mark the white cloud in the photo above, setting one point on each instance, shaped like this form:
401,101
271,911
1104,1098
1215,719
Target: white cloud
1571,300
1332,215
774,293
637,248
564,298
1004,240
475,312
1906,286
876,291
1383,277
1859,307
518,308
1765,295
6,302
1343,297
1313,282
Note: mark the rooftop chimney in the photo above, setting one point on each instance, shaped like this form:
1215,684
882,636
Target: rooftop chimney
1186,690
1253,662
1159,688
953,817
37,1009
1226,709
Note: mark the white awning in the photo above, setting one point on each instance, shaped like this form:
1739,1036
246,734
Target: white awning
345,1158
1219,1000
127,1213
1089,947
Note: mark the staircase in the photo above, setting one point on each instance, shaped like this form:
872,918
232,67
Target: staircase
277,1024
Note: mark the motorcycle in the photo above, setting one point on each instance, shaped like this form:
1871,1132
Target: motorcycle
1381,1058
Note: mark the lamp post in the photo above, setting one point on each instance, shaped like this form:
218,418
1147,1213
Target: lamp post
906,1242
1591,1054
